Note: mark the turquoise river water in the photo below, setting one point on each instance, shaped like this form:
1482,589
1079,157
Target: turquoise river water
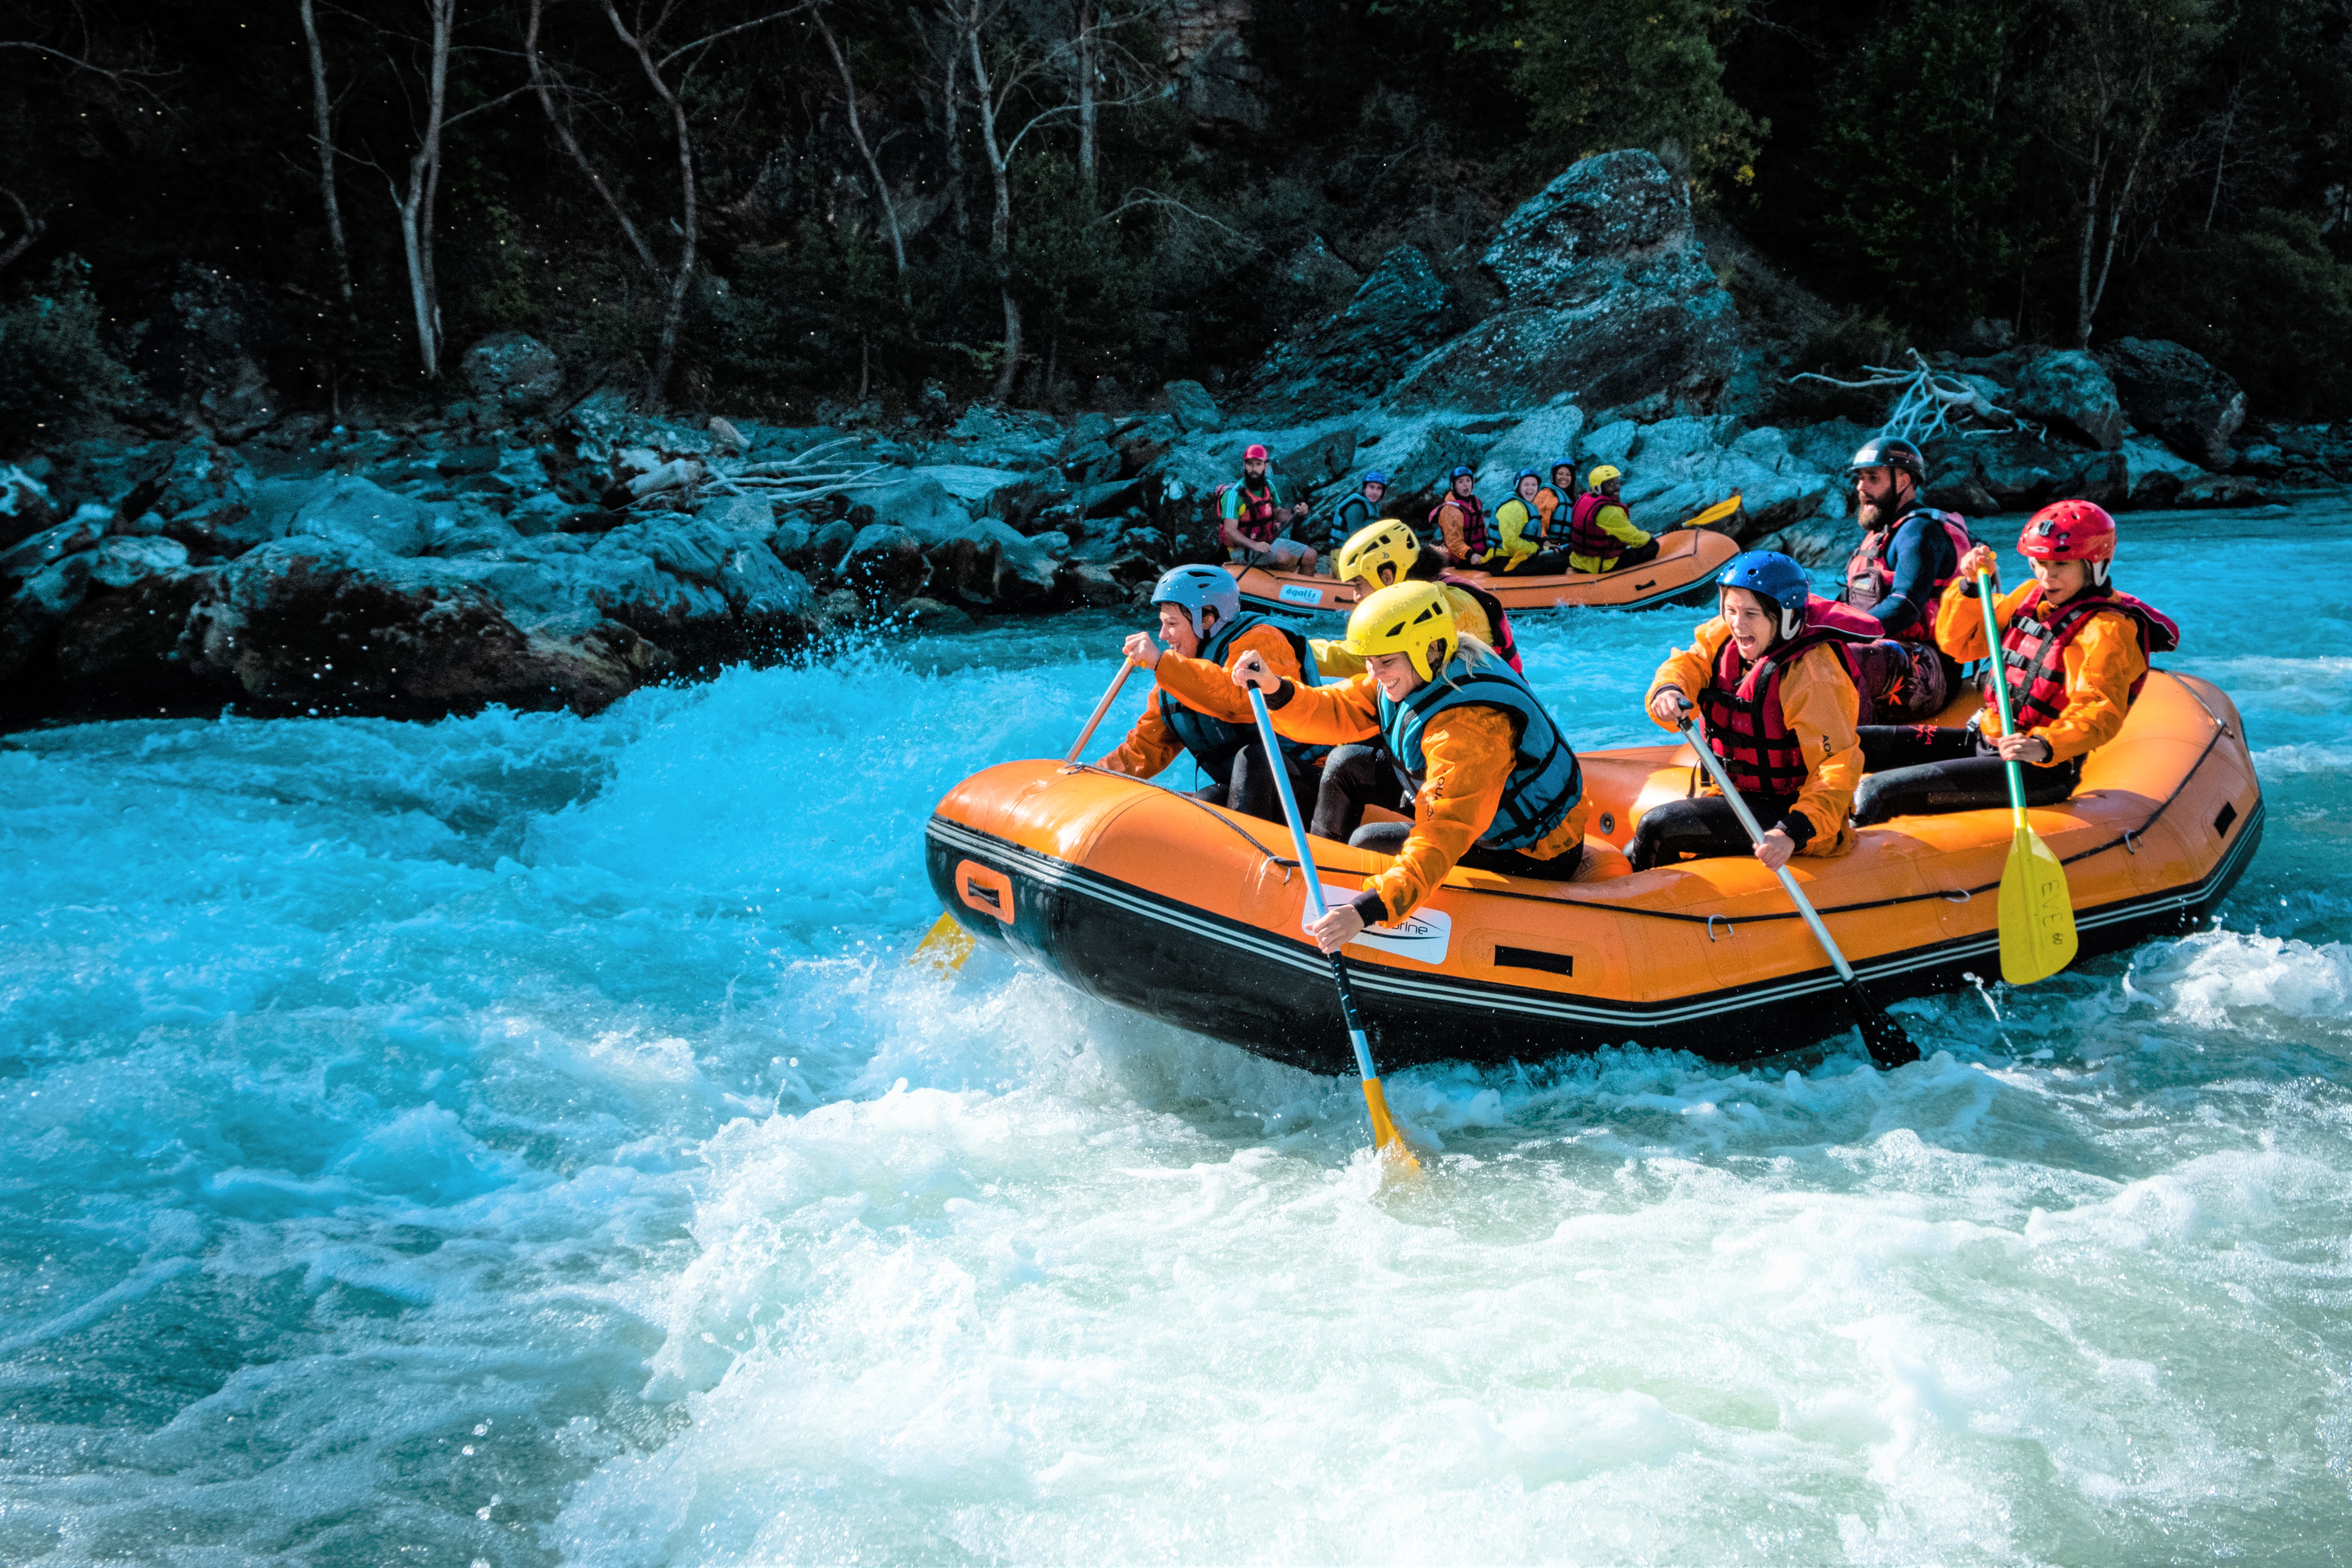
516,1139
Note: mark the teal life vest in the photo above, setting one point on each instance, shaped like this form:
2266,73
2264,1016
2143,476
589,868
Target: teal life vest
1215,742
1546,782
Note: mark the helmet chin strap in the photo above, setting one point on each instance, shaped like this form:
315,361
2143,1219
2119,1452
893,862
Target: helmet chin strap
2099,572
1791,622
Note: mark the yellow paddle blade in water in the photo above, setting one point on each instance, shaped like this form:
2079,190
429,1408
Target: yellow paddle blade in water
946,948
1386,1139
2037,912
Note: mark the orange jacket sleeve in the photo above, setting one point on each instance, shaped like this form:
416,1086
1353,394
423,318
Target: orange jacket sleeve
1330,715
1688,669
1207,687
1821,707
1449,524
2101,664
1148,748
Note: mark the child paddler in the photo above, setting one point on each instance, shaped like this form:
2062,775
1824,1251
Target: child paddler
1195,706
1462,743
2075,653
1768,676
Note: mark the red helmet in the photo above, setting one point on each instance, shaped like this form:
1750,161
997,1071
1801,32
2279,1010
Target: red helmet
1259,453
2069,531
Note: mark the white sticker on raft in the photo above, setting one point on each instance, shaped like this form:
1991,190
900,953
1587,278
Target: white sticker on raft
1424,935
1301,593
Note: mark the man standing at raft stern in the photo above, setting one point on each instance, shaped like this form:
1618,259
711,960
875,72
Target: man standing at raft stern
1600,532
1195,706
1779,703
1492,783
1909,554
1252,516
2076,655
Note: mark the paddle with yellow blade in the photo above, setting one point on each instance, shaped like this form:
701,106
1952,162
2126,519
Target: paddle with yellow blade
1385,1137
949,945
1715,513
2037,908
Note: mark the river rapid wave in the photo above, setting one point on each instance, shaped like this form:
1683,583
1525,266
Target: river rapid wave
518,1140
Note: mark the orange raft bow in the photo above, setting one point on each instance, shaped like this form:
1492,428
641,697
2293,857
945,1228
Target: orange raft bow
1683,573
1146,896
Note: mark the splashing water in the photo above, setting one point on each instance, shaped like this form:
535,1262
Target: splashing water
515,1141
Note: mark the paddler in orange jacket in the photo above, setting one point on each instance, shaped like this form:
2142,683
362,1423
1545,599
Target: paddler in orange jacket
1491,782
1196,708
2074,651
1779,705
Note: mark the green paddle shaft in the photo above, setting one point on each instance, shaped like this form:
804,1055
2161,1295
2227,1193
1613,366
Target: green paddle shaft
2001,693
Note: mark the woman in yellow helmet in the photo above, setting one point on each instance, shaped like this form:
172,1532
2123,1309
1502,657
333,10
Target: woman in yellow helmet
1492,783
1387,554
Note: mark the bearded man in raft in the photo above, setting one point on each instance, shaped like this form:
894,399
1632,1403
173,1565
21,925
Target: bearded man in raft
1491,782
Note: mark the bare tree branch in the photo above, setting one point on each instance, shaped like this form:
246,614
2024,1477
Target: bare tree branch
873,164
34,229
540,84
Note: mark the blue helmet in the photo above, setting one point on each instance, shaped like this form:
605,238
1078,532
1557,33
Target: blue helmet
1777,578
1198,588
1560,463
1374,477
1462,474
1527,474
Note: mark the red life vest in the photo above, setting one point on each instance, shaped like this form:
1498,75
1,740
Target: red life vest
1473,522
1745,725
1585,534
1505,643
1253,511
1870,576
2033,651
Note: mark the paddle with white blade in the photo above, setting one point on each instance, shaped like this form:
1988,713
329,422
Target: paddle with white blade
2037,908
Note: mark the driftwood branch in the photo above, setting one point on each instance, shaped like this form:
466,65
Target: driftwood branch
1928,407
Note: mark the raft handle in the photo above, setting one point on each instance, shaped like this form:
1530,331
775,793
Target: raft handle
1961,897
1728,926
2131,841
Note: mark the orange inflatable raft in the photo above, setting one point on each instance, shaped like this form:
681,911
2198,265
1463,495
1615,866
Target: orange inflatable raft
1683,572
1143,896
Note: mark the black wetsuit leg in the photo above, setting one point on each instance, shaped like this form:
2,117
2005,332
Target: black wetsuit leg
1353,778
1705,826
1639,555
1388,838
1917,769
1542,564
1252,791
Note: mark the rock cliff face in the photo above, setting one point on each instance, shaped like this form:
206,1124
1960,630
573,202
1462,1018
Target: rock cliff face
1607,299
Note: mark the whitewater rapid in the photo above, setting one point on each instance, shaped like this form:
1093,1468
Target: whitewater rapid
518,1139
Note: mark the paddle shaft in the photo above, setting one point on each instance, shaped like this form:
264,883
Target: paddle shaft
1881,1034
2001,694
1126,669
1364,1067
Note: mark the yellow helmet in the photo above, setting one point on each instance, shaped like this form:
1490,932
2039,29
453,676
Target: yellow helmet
1387,543
1404,619
1602,475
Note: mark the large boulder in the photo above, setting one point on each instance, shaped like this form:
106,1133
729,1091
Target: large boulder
1397,315
1535,443
26,505
2175,394
514,372
1607,297
206,336
2069,388
2017,471
360,512
38,604
1191,406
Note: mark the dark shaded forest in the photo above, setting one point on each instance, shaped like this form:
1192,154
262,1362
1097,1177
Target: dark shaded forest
1062,201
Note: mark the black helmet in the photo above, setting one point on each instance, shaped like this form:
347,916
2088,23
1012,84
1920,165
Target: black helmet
1890,452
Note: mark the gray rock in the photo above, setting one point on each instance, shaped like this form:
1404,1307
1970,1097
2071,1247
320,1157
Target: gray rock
203,350
2068,387
28,558
1397,315
362,513
790,544
1312,465
1609,300
758,587
39,606
203,473
2175,394
1191,406
25,506
694,551
514,373
1533,443
119,563
831,542
1985,335
921,506
738,514
1816,541
886,560
2014,471
931,617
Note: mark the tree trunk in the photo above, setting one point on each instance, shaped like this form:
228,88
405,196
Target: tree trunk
1011,367
1000,227
873,164
571,144
2083,258
320,111
417,205
674,312
1086,42
2115,214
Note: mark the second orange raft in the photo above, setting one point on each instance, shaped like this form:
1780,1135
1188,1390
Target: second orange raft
1143,896
1683,573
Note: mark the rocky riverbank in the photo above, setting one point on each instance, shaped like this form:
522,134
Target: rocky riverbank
517,548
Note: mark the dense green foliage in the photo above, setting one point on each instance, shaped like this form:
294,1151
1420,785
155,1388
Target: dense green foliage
53,364
2173,168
